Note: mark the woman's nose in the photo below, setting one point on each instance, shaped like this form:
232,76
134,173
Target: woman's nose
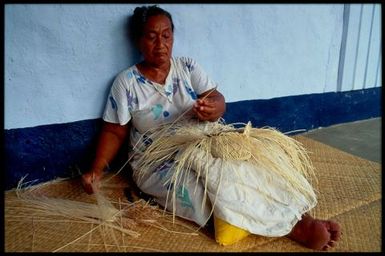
159,42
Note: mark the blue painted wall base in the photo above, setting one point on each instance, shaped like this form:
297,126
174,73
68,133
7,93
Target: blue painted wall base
307,111
65,150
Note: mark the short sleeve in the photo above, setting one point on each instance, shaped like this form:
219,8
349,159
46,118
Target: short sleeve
200,81
116,109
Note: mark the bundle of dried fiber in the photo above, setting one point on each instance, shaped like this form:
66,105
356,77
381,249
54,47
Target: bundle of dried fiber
107,215
263,147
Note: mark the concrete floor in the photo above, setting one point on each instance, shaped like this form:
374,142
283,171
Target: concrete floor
360,138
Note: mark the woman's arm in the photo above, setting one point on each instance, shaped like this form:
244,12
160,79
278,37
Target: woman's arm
210,106
111,139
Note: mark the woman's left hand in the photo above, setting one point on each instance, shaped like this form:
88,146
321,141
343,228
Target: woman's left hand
210,106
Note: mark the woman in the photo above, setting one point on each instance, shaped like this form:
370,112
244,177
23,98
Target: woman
156,91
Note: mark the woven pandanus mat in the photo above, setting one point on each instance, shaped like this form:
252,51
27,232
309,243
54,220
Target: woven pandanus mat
349,190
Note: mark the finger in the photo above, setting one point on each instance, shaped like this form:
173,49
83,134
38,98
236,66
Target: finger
200,116
203,110
206,102
197,105
87,187
195,110
199,101
203,116
204,113
86,182
208,109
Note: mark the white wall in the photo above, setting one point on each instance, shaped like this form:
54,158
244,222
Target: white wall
60,60
362,62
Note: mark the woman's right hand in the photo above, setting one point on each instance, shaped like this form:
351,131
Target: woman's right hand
91,181
111,138
210,106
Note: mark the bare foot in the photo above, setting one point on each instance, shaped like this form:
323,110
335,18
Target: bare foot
89,179
316,234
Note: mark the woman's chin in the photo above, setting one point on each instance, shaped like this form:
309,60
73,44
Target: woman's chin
160,60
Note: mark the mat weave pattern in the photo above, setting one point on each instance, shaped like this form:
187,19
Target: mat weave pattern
349,191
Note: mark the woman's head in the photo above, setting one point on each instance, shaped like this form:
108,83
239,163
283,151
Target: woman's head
140,17
151,30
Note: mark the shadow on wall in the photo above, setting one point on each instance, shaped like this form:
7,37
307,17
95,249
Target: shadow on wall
133,50
134,56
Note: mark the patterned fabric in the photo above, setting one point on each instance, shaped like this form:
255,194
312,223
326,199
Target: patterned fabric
148,104
189,194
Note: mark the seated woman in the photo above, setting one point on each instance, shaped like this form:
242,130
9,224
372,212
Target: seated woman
158,90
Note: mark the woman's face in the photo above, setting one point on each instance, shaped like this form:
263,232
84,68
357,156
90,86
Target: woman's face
157,40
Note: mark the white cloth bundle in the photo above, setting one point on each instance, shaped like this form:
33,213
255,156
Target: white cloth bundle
256,179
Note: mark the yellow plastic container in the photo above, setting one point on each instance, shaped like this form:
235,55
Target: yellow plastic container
227,234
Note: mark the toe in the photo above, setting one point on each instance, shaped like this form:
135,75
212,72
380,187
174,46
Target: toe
332,243
335,235
334,229
326,247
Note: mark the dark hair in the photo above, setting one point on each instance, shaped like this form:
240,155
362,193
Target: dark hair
140,17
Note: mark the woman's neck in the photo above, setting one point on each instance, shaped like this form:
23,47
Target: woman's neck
154,73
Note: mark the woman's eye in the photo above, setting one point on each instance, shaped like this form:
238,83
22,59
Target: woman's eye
151,36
